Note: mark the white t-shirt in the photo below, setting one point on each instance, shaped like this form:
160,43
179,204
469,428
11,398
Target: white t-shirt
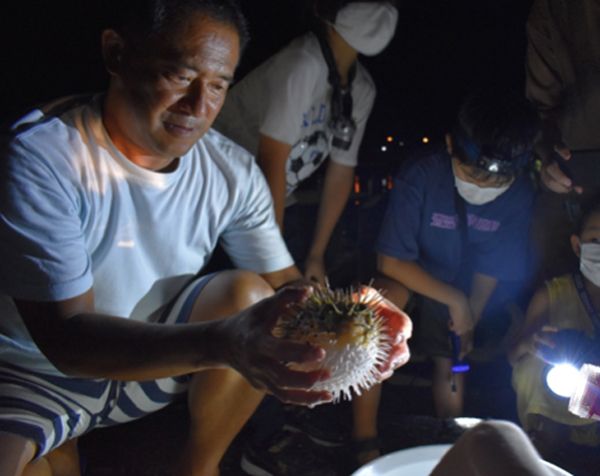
75,213
288,99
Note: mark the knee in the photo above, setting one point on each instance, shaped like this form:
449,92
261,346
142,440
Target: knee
228,293
495,434
16,453
245,288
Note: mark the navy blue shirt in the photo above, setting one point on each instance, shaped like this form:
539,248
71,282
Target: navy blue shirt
421,225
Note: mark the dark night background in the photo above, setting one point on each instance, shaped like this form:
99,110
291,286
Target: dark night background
441,51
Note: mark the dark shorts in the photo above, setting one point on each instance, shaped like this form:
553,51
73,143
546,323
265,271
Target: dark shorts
51,409
432,335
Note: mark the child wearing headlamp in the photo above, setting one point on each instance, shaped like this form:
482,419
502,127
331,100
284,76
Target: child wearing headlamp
456,225
570,301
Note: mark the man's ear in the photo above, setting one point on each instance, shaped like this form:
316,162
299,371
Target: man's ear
576,245
113,47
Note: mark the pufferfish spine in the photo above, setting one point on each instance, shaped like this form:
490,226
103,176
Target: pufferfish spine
347,324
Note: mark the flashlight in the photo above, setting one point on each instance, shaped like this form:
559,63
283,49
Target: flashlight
572,348
571,375
585,401
458,366
563,379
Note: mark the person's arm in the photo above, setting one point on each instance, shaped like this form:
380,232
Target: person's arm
415,278
545,89
283,277
272,156
80,342
535,319
482,288
336,190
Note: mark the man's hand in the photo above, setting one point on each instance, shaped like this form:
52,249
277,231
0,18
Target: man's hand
554,178
462,323
314,270
261,358
466,344
398,326
461,317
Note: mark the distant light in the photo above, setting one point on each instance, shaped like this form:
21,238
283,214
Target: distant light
389,139
401,143
425,140
563,379
383,148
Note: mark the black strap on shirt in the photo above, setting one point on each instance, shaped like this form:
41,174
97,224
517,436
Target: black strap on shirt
341,98
586,300
461,212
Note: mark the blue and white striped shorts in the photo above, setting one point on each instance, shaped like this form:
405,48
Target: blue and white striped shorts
50,410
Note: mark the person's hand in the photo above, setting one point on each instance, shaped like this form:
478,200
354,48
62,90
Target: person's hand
314,270
542,342
262,359
462,323
461,317
538,344
466,344
554,178
398,327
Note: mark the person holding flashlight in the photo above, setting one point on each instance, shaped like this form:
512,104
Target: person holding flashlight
561,320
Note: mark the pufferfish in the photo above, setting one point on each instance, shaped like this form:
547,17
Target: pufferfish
348,326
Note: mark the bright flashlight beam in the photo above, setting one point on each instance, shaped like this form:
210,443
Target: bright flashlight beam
562,379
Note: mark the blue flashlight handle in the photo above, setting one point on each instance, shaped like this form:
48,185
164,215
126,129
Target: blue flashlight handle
458,366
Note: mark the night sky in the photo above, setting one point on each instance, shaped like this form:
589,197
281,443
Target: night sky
441,51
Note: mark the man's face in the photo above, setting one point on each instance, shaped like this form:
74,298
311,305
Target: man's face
167,92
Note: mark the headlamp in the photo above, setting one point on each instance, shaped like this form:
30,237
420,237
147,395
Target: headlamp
490,159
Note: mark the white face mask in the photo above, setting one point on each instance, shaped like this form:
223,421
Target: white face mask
367,27
476,195
589,262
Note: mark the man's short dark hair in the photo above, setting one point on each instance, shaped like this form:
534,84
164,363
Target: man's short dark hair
142,20
502,121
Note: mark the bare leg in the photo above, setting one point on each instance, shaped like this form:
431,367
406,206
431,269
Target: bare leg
365,407
495,448
64,460
364,411
446,402
17,452
220,401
